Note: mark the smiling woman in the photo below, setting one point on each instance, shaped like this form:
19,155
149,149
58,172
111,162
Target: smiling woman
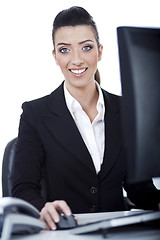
73,137
77,56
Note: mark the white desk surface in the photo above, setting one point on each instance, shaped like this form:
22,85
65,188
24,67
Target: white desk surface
127,233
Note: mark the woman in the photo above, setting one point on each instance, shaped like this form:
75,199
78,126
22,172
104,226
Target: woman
73,136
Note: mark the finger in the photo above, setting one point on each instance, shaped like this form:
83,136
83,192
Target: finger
49,221
46,225
49,215
51,209
62,206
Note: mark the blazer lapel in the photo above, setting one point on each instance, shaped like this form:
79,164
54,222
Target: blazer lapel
113,137
62,126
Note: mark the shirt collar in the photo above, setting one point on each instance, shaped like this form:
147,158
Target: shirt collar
73,105
100,102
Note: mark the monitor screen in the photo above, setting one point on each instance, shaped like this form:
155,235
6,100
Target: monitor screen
139,57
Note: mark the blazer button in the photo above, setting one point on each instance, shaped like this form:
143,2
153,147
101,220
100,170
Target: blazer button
93,208
93,190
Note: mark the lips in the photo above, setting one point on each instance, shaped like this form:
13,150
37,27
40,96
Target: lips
78,72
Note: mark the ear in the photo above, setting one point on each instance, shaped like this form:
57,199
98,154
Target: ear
54,55
100,50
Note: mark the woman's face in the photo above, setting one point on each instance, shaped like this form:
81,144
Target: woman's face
77,53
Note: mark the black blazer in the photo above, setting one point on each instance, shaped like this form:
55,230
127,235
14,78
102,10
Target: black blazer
50,144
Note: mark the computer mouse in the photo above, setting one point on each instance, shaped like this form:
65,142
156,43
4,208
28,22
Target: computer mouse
66,222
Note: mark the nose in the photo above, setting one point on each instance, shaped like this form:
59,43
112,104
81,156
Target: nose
77,59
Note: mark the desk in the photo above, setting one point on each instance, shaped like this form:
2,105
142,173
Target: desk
137,232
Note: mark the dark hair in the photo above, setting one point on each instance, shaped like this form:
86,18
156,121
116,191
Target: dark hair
75,16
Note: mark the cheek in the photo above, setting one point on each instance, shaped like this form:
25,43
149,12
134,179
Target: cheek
62,62
93,59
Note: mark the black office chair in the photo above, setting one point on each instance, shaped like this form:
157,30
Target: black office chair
7,170
7,167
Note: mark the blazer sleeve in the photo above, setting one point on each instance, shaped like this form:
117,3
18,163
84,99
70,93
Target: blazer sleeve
143,194
29,158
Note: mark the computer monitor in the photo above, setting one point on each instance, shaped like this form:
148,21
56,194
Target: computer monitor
139,57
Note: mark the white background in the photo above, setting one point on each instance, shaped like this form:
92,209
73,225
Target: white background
27,68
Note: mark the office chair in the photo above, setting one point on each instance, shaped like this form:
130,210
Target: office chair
7,170
7,167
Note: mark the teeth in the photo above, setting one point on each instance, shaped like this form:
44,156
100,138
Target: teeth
78,71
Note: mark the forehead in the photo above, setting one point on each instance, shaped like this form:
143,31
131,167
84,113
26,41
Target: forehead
76,34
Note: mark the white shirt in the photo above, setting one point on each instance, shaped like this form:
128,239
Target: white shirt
92,133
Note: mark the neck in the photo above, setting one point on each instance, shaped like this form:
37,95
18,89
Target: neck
84,95
87,97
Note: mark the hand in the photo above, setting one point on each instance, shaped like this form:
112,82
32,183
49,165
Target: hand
49,213
159,206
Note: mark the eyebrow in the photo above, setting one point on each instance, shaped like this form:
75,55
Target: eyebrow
86,41
68,44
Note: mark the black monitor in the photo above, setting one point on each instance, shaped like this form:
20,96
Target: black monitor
139,56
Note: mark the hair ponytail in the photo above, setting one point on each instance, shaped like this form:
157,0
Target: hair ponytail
97,77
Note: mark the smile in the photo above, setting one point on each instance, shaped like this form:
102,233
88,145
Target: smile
78,71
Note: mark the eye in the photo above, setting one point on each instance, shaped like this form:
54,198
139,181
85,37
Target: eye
64,50
87,48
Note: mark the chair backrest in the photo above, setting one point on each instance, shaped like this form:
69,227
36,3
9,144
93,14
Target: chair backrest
7,170
7,167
